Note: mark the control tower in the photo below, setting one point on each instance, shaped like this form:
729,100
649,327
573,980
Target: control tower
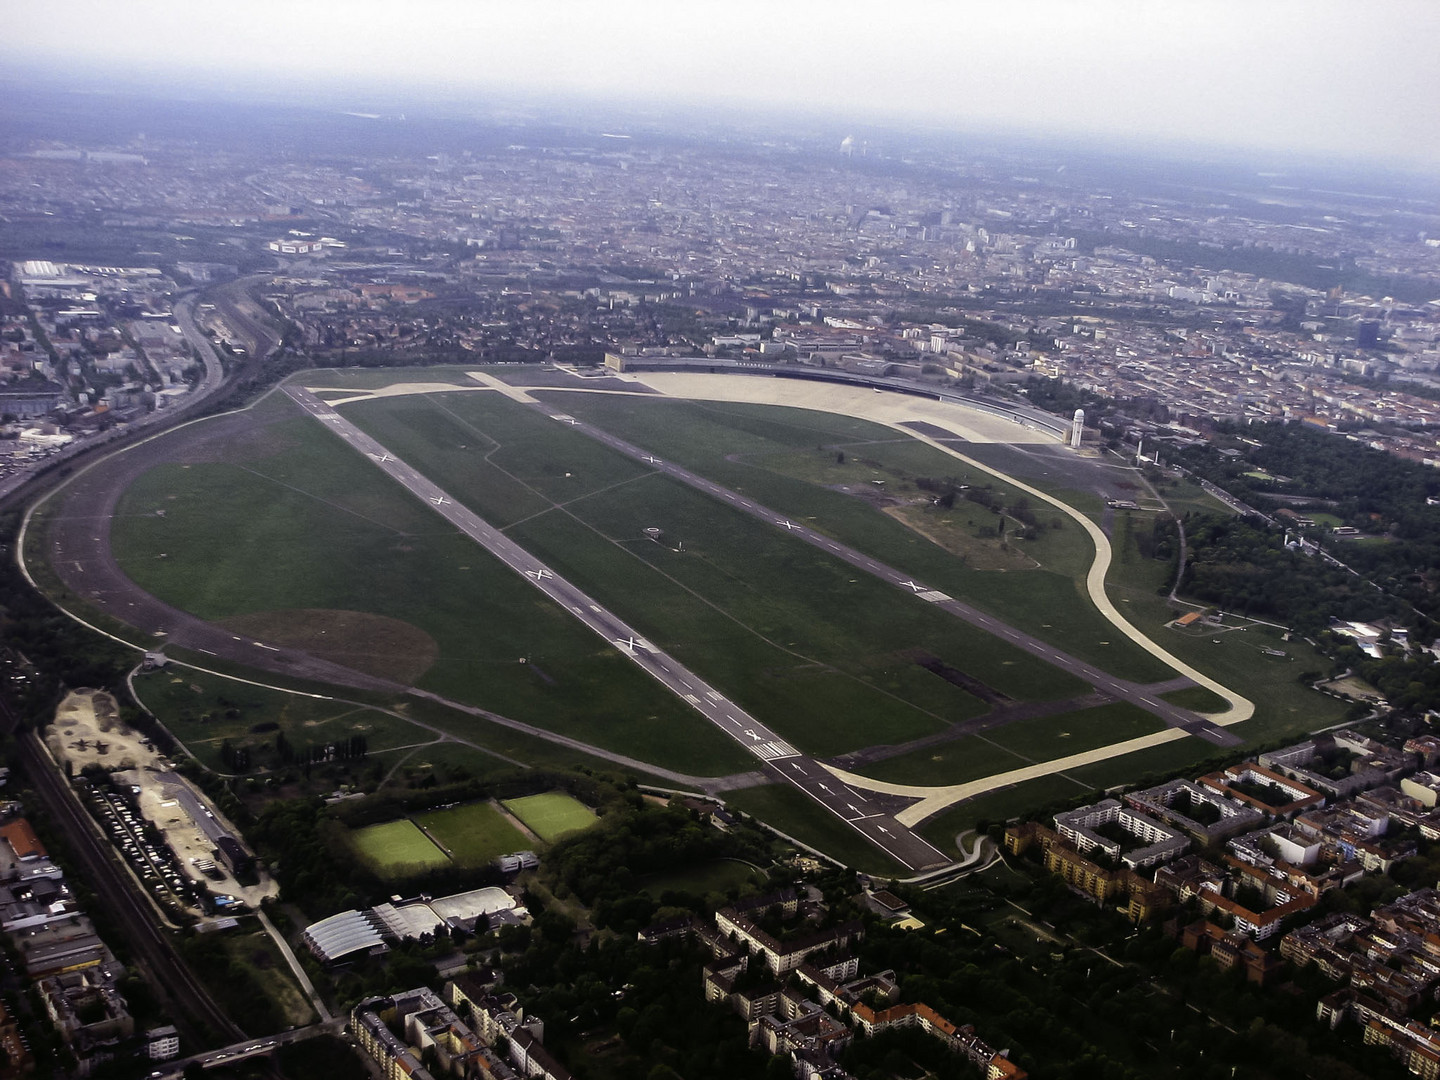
1077,428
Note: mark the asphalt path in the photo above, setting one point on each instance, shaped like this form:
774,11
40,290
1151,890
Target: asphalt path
1138,694
858,810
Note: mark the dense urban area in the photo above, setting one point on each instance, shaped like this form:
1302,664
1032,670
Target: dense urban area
1260,351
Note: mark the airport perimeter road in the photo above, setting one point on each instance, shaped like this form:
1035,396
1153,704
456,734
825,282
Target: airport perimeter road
1135,693
860,811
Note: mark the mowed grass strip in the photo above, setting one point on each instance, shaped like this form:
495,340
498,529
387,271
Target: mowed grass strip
1048,737
397,848
473,835
552,814
1199,698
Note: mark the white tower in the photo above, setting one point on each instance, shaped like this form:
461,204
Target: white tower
1077,428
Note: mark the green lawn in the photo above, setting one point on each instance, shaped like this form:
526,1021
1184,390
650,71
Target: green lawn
1198,698
204,711
552,815
1015,745
397,849
313,525
757,450
719,876
473,835
952,762
1049,737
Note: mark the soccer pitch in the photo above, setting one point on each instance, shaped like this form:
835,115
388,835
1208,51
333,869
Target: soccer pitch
551,815
397,848
474,834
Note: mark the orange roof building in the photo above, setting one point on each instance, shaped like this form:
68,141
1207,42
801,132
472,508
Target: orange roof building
22,840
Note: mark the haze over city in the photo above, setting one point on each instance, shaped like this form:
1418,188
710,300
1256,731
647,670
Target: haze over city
1318,77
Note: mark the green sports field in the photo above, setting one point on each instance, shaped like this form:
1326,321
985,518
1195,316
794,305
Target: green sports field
552,815
474,834
397,848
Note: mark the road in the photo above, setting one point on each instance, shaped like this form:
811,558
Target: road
184,311
858,810
246,1049
1138,694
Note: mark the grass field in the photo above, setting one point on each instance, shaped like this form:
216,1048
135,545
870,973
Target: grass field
762,451
1195,697
309,526
204,711
552,815
788,632
1283,705
291,532
473,835
1015,745
719,876
397,848
952,762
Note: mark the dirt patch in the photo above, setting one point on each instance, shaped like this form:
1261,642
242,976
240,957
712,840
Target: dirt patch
978,554
88,731
1352,687
955,677
373,644
241,439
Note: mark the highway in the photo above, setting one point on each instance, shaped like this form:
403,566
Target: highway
857,809
1136,693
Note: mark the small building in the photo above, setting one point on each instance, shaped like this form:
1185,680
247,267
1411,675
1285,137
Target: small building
162,1043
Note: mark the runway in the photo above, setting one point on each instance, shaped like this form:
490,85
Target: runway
1138,694
860,810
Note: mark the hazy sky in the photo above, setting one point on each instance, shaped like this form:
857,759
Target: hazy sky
1360,78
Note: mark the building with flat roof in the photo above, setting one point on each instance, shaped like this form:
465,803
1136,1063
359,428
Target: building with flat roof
1157,843
1204,814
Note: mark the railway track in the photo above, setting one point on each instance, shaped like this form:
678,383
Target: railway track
180,991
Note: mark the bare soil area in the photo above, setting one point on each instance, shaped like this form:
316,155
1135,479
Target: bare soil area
373,644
